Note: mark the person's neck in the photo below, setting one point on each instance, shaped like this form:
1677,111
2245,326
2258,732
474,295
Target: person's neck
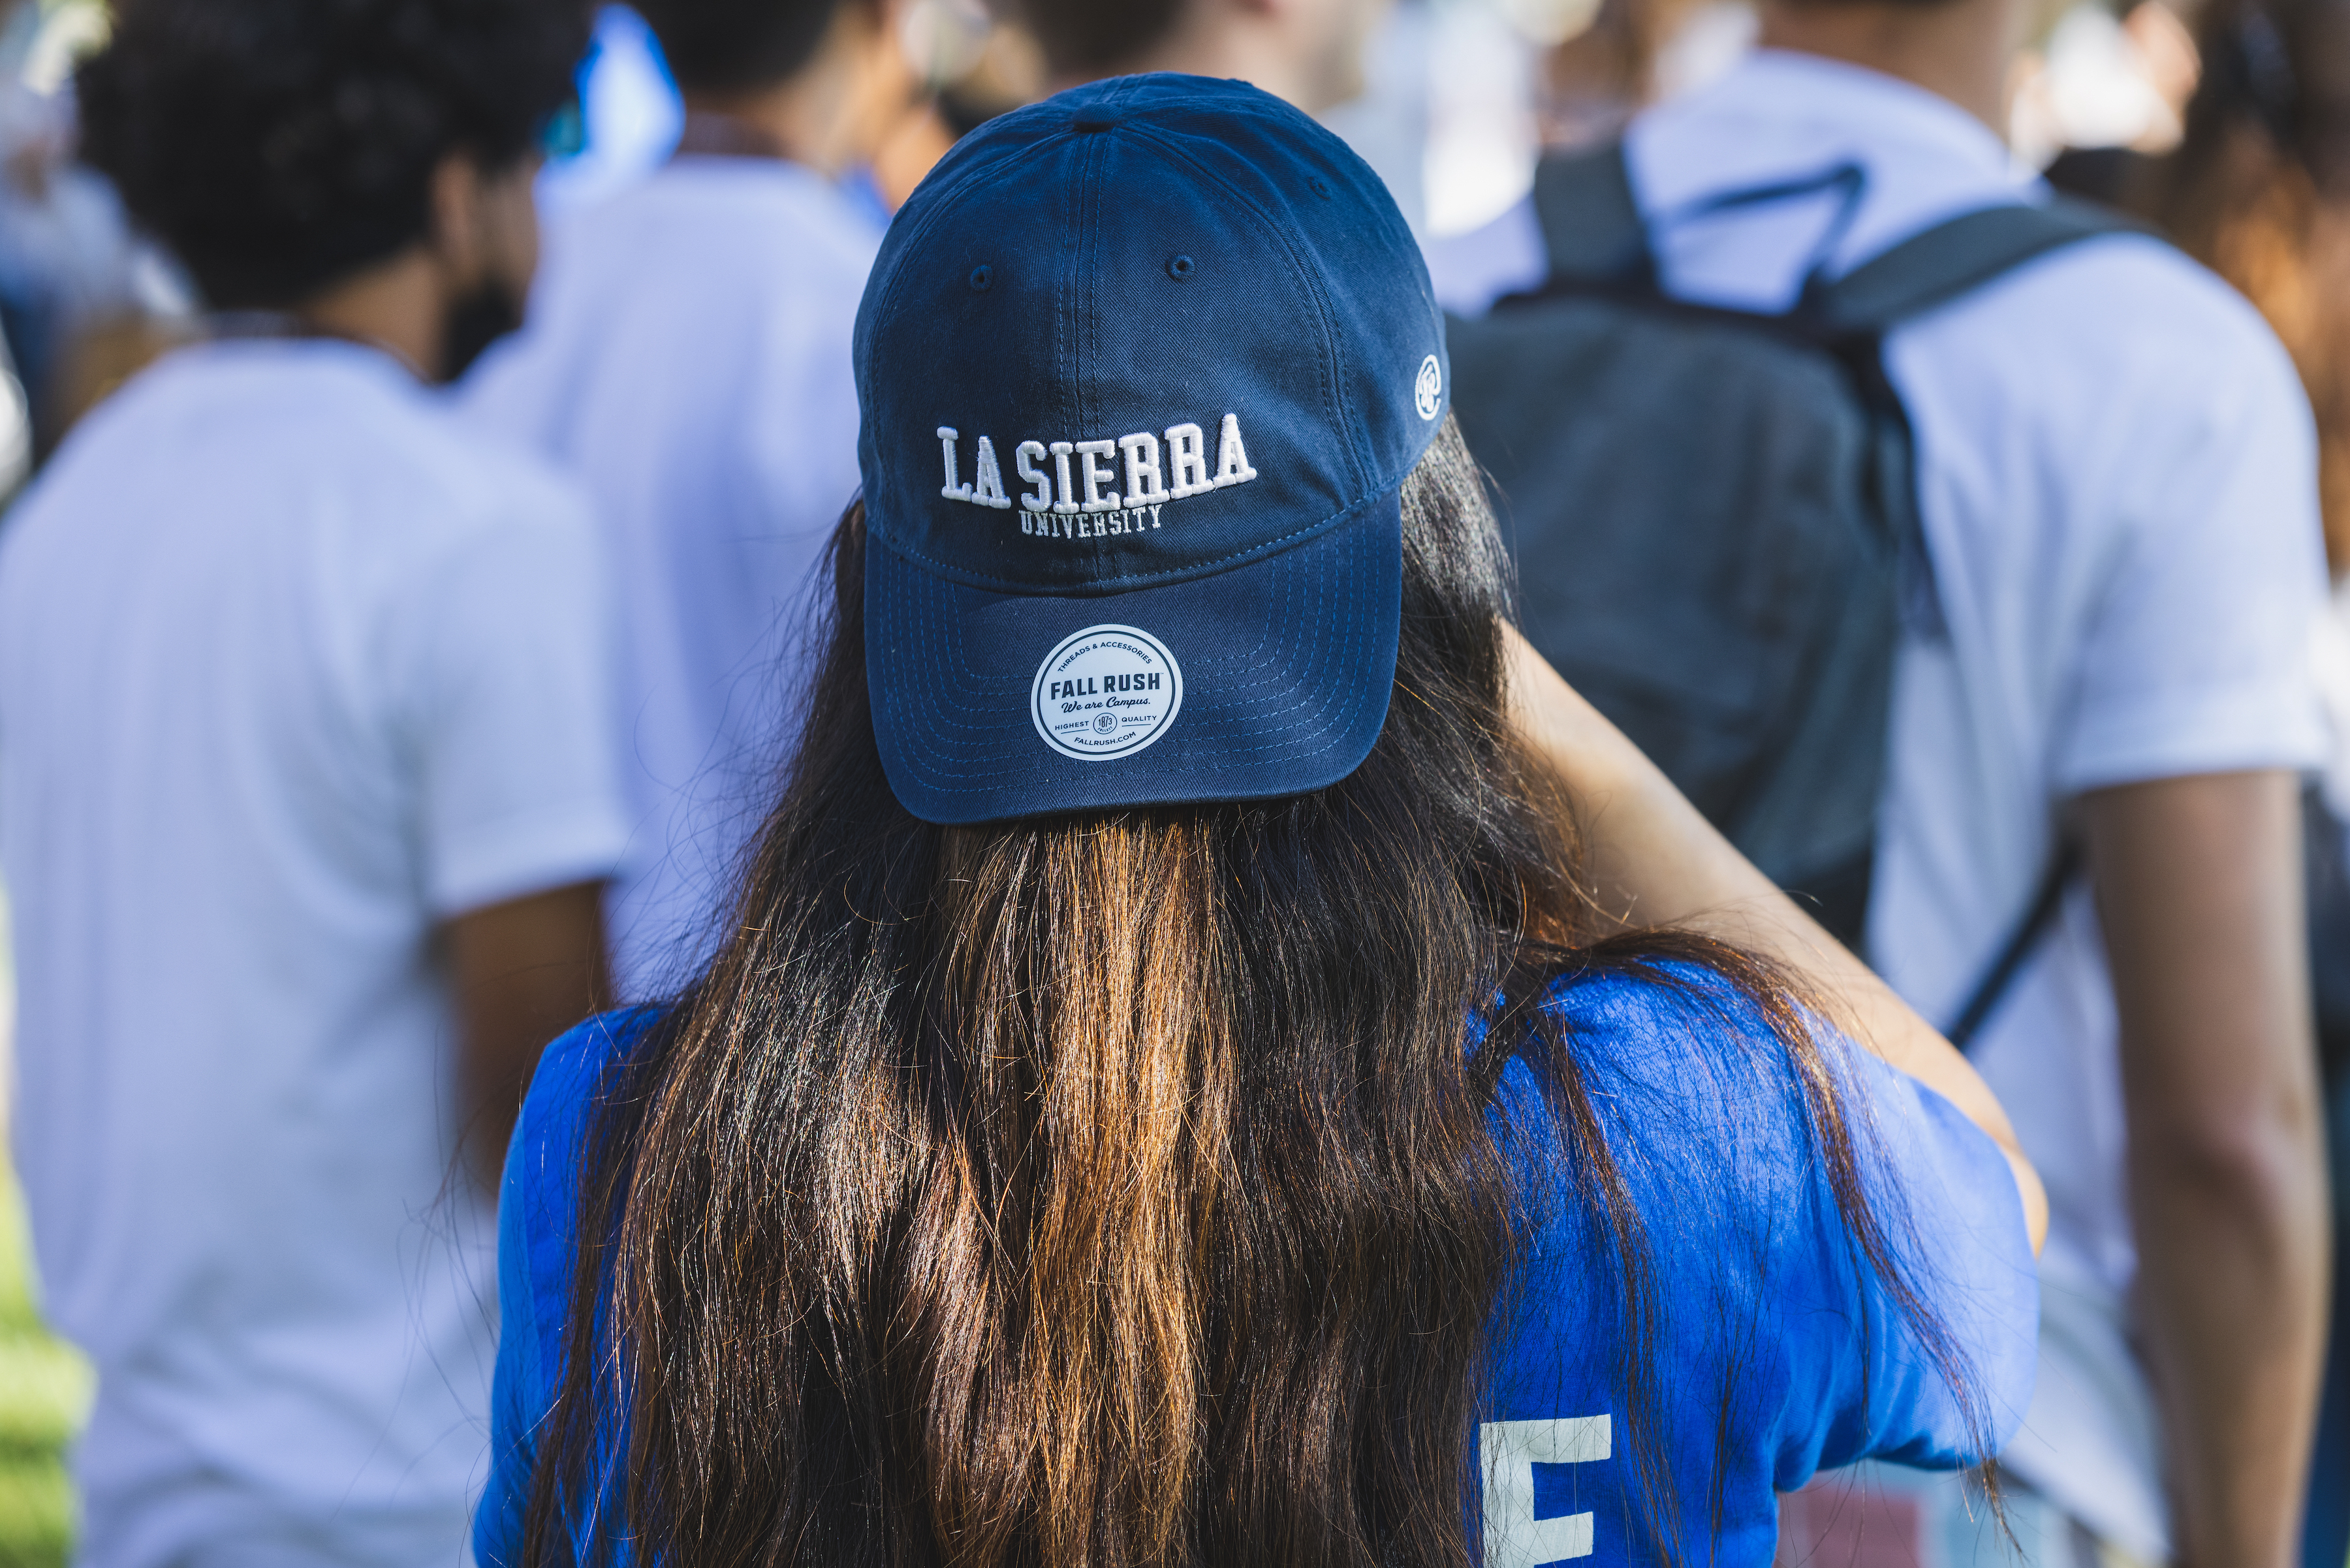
1209,43
815,117
784,122
398,306
1956,49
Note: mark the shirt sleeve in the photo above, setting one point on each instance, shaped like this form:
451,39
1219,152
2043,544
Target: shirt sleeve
1771,1347
509,674
2199,656
1942,1380
538,1207
519,1391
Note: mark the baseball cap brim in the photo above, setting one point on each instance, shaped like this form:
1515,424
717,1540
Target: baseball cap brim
1286,670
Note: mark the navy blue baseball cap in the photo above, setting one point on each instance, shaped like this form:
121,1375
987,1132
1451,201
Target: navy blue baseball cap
1142,369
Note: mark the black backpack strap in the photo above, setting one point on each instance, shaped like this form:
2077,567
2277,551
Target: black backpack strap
1595,234
1591,226
2047,900
1944,262
1597,238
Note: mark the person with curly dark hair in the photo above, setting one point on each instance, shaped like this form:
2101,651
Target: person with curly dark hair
308,795
283,147
688,357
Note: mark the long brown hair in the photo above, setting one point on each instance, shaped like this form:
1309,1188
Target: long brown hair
1109,1189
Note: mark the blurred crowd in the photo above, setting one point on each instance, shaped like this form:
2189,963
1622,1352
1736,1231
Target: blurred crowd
420,483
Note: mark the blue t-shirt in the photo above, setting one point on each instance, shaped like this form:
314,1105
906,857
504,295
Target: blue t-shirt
1775,1351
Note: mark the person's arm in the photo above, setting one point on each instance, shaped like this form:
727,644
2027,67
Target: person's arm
2199,890
1656,861
524,971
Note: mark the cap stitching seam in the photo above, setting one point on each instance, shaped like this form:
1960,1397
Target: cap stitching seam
1097,154
885,304
1331,395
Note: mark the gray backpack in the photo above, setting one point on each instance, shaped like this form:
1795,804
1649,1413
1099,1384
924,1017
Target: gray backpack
1713,511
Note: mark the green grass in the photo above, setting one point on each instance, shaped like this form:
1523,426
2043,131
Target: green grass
44,1394
45,1385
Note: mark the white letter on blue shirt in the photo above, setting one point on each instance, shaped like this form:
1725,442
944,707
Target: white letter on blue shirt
1507,1453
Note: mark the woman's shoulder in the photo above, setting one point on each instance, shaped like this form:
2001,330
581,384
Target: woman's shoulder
538,1202
537,1245
1683,1044
1731,1117
1645,996
576,1060
543,1161
1675,1053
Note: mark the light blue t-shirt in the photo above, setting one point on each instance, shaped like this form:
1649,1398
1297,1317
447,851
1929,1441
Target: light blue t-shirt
1775,1352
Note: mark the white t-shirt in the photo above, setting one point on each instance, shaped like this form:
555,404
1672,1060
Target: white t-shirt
688,356
2118,483
292,670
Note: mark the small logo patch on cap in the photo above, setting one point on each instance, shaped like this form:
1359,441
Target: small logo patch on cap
1428,391
1105,692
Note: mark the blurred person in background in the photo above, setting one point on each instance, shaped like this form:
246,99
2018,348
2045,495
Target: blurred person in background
1310,52
688,357
962,66
75,283
2102,100
1361,67
307,785
2115,478
2259,188
966,67
1593,81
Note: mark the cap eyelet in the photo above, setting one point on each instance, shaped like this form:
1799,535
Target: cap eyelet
1181,267
1319,186
983,278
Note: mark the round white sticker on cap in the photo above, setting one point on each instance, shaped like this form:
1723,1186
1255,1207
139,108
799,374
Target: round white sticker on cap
1106,692
1428,391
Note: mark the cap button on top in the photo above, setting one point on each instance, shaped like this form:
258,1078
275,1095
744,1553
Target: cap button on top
1087,120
